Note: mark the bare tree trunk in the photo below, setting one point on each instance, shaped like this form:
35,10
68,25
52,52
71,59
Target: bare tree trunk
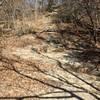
36,9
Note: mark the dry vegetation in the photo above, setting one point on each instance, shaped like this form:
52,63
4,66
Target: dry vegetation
49,52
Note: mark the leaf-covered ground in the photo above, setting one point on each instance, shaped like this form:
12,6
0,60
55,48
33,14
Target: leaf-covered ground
39,66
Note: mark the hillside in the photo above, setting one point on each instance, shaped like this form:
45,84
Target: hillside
42,64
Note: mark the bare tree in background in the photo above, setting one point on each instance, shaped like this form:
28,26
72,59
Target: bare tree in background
82,13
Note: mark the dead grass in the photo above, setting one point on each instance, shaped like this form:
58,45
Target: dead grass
14,84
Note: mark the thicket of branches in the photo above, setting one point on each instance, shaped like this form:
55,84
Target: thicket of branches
82,13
